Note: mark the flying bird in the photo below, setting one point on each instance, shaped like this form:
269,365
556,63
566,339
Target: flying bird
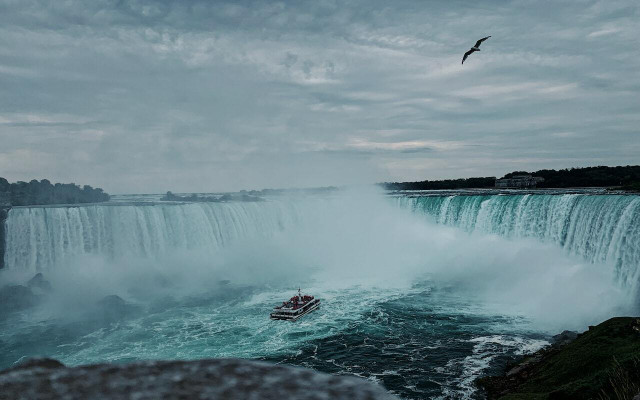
474,48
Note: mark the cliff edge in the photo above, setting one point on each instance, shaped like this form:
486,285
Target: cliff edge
601,363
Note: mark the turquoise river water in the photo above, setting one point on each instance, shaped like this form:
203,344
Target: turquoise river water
421,293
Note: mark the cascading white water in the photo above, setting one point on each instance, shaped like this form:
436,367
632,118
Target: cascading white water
600,228
40,237
200,278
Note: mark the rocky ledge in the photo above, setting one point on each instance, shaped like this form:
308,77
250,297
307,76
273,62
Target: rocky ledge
601,363
203,379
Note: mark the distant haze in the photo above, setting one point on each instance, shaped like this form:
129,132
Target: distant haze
149,96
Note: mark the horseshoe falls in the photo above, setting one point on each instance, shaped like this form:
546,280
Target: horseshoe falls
38,238
422,294
600,228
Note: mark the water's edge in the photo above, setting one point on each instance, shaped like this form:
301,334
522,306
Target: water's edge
4,213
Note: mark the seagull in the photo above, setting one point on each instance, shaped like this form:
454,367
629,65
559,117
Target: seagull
474,48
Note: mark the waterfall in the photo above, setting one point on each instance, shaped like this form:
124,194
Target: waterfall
600,228
38,238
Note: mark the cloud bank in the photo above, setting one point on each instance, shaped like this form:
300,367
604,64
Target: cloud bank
149,96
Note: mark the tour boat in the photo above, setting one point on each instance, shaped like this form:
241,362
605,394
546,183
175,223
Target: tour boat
296,307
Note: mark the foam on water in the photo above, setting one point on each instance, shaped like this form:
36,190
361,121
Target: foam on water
419,307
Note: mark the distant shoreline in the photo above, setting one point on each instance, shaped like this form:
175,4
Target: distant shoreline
624,178
514,191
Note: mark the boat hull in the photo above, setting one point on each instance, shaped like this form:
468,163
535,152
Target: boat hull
294,316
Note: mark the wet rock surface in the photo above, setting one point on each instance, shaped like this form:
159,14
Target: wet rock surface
603,362
563,338
16,298
21,297
203,379
38,283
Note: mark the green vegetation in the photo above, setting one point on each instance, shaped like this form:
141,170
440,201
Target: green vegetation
44,192
625,177
448,184
41,193
601,363
632,187
211,199
625,382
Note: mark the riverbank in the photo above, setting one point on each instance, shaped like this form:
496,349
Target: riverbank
601,363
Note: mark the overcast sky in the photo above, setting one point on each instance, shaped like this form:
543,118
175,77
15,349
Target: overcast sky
149,96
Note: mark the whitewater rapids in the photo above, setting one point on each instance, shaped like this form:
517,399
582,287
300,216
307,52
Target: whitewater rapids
421,294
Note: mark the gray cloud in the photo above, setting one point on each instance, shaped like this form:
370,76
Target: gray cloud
199,95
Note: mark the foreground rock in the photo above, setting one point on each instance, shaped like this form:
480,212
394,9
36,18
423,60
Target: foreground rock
204,379
601,363
563,338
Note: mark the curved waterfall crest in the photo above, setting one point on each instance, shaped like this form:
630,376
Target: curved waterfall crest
38,238
600,228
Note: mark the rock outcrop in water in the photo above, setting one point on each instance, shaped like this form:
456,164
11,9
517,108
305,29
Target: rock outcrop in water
601,363
39,284
110,309
20,297
16,298
226,379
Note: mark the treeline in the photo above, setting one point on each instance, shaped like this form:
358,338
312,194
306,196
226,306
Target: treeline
627,177
44,192
210,199
486,182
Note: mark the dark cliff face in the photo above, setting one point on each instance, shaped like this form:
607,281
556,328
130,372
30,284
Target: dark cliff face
227,379
4,213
